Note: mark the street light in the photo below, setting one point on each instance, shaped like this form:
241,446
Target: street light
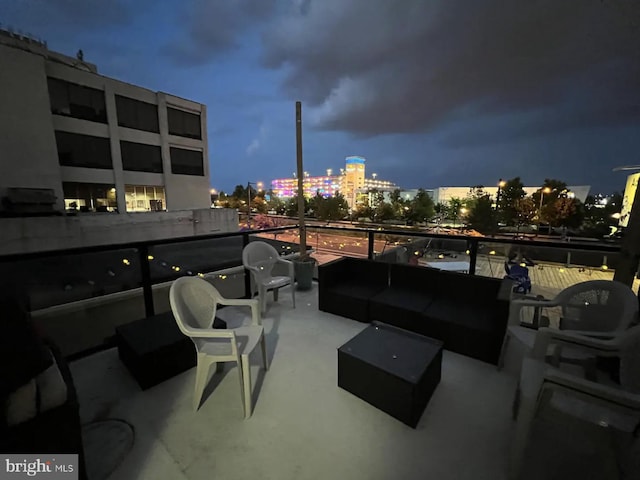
542,192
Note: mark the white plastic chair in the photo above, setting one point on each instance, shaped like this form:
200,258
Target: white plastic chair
543,387
260,258
193,303
595,306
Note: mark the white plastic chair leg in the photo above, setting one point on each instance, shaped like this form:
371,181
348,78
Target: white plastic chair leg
521,437
293,294
263,345
262,293
275,294
246,374
202,375
241,377
503,350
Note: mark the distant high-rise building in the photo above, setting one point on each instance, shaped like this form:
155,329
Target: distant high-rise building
351,183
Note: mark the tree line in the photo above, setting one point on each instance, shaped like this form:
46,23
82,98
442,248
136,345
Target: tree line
552,204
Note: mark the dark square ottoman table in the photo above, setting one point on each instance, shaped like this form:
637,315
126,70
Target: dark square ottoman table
392,369
154,349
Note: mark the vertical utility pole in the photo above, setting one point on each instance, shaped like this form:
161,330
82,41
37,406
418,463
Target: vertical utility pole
249,205
302,228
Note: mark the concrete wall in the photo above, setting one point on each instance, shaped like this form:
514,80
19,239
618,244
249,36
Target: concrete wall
33,234
28,152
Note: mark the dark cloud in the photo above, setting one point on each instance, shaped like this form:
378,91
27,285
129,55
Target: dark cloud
78,14
215,26
375,67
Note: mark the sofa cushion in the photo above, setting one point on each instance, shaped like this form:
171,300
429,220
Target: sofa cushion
475,317
360,290
415,278
404,299
46,391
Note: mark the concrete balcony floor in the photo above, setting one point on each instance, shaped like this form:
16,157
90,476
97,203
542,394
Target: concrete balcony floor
303,426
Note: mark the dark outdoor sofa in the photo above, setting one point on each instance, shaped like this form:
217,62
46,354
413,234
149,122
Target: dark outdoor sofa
467,312
346,285
36,386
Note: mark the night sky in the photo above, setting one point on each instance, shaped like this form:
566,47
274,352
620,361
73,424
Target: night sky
432,93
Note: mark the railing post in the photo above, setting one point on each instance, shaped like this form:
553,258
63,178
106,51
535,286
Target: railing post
568,264
371,244
147,291
473,255
247,274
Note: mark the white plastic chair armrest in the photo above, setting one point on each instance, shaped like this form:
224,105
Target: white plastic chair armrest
253,303
523,302
573,339
598,390
207,332
238,302
252,268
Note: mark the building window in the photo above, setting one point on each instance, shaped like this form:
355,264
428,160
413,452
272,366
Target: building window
76,101
136,114
184,124
89,197
142,198
75,150
140,157
186,162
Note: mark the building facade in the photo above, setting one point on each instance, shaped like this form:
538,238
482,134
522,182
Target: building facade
96,143
351,183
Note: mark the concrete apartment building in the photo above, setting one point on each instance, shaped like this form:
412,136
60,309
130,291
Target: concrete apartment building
98,143
84,146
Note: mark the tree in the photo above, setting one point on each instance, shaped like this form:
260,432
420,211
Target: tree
482,216
421,208
276,204
291,208
330,208
383,211
398,204
509,194
563,212
453,208
526,211
361,210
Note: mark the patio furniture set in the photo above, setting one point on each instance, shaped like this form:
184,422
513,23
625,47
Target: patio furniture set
415,313
394,364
